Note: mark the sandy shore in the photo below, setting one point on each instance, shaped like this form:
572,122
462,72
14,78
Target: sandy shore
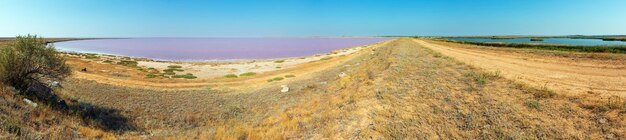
210,69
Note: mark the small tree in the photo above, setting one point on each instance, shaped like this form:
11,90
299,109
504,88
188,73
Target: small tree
30,60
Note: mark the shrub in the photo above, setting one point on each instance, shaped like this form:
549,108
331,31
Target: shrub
247,74
186,76
107,61
275,79
92,56
290,76
437,54
30,60
172,70
174,67
128,63
482,78
279,61
141,69
534,104
11,126
230,76
614,102
278,78
153,70
151,76
326,58
544,92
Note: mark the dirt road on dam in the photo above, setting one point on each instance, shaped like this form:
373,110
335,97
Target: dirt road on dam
563,74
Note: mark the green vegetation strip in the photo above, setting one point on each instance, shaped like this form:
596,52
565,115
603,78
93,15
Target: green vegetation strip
174,67
172,70
92,57
128,63
275,79
604,49
151,76
247,74
186,76
231,76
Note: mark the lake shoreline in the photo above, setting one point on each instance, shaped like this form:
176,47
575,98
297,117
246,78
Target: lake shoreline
202,69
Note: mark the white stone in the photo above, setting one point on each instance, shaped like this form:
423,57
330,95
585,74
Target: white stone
30,102
285,88
343,74
55,84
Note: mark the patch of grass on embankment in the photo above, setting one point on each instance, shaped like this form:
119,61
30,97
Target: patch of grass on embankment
247,74
186,76
128,63
603,49
231,76
172,70
174,67
275,79
326,58
151,76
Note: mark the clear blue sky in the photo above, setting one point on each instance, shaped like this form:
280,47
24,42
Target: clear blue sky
266,18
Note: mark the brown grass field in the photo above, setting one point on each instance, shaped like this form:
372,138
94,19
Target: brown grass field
401,89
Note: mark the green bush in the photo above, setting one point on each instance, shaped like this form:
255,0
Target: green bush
230,76
482,78
247,74
186,76
11,126
275,79
107,61
326,58
92,57
172,70
544,92
174,67
290,76
128,63
30,60
151,76
279,61
534,104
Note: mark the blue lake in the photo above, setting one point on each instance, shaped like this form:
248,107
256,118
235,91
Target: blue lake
562,41
198,49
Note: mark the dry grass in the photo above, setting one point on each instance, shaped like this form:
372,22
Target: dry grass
405,92
398,91
20,120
